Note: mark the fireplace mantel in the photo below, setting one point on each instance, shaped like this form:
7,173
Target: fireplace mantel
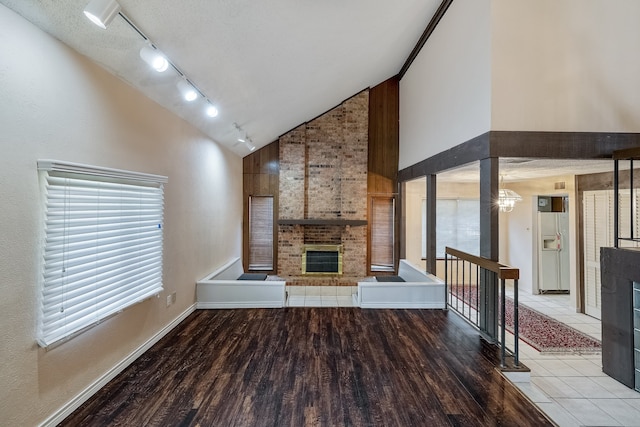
338,221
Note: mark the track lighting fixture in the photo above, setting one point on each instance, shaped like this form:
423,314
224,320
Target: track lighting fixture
102,12
212,111
187,90
154,58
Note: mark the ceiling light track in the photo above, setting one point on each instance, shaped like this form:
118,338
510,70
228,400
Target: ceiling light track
102,12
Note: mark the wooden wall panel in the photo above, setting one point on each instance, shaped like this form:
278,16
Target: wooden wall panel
384,151
384,130
260,178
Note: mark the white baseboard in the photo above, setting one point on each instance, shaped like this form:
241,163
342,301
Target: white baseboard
75,403
239,304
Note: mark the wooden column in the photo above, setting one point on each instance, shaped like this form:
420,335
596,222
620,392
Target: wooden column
489,244
431,224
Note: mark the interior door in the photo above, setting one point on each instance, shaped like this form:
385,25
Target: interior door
598,230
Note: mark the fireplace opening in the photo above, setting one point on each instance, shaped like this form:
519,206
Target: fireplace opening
322,259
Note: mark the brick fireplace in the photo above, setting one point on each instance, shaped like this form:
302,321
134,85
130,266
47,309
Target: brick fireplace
323,187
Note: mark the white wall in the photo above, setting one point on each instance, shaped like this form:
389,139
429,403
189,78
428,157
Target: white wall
445,97
565,65
56,104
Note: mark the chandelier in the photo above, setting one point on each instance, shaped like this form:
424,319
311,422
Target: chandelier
507,198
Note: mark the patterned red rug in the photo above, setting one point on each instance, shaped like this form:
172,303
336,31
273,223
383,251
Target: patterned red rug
540,331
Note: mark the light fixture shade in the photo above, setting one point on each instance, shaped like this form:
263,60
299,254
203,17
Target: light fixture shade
154,58
507,199
188,92
102,12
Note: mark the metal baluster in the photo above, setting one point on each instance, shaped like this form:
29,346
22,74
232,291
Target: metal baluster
502,332
516,333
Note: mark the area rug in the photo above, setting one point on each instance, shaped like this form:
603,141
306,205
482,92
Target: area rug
540,331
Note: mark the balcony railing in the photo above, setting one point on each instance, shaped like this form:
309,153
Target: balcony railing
464,274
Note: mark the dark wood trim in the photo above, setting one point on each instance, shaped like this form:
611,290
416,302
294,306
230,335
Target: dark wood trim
433,23
627,154
503,271
343,222
561,145
489,217
432,200
541,145
475,149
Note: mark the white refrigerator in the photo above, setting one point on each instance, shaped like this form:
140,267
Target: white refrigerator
553,252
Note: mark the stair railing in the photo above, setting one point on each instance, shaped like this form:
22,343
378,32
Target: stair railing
462,276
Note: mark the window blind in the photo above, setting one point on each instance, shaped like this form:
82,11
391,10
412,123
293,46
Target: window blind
261,233
382,233
103,246
457,225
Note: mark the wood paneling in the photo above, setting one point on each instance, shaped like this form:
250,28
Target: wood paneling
384,131
383,152
260,178
314,367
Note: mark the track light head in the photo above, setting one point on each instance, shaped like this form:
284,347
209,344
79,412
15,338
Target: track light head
154,58
211,111
187,90
102,12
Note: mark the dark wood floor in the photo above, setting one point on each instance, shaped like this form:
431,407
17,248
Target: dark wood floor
313,367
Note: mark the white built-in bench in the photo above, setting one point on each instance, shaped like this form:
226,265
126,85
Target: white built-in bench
415,289
224,289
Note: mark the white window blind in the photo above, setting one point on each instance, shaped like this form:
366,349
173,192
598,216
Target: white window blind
261,233
382,233
457,225
103,245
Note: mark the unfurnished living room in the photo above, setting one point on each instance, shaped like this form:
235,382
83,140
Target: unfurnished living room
231,213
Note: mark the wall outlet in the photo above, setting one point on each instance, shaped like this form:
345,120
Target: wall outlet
171,298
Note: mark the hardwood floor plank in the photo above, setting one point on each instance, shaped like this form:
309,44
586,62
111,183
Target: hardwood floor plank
313,367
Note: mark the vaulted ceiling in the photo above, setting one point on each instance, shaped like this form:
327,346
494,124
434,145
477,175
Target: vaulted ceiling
267,65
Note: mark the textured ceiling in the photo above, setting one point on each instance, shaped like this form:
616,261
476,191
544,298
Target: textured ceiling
522,169
267,65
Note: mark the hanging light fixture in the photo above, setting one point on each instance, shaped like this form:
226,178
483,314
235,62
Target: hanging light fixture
102,12
154,58
507,198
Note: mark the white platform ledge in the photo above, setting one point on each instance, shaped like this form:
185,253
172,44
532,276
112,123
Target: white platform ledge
420,290
220,290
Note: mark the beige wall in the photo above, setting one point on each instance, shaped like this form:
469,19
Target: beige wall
56,104
518,229
445,97
565,65
415,192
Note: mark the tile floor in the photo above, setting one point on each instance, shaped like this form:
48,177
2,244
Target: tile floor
320,296
570,388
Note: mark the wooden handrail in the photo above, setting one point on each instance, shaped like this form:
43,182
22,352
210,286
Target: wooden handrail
503,271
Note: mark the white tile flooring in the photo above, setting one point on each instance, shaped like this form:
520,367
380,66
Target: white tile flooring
320,296
570,388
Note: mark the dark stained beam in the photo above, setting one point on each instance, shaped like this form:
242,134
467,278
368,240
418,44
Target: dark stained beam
425,36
